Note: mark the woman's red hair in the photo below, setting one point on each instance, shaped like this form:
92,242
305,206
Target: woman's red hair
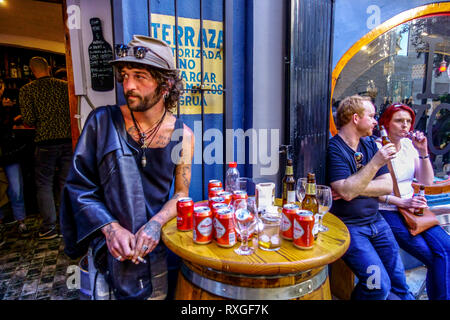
387,115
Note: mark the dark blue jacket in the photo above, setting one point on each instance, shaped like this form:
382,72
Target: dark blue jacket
103,185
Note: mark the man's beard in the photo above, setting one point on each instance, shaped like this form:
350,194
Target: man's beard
146,103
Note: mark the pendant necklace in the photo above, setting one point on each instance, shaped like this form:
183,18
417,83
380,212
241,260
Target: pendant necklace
148,135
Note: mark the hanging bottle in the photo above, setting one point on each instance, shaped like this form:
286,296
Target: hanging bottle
100,53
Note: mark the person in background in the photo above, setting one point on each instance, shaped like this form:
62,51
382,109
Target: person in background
117,195
358,175
431,247
10,157
61,73
44,104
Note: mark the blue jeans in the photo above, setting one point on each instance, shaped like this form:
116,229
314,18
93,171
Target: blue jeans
431,247
15,190
373,255
47,159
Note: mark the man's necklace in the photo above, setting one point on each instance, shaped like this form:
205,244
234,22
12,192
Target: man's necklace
147,135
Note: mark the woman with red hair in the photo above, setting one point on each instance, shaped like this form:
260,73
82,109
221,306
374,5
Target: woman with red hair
431,247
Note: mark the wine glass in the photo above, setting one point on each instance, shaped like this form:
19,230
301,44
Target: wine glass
245,220
325,199
300,189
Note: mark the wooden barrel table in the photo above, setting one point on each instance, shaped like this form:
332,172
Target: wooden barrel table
210,272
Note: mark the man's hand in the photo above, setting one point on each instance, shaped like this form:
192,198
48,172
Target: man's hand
120,242
335,195
384,154
147,238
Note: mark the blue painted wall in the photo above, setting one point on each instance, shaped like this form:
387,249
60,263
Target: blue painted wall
350,22
132,17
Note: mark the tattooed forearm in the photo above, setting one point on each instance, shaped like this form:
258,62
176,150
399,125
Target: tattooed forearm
185,172
153,229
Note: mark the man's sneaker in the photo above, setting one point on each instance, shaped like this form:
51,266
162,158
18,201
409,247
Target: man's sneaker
23,231
48,234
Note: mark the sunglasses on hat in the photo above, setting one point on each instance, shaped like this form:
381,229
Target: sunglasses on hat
138,52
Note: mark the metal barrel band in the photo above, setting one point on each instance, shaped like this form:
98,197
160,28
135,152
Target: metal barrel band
246,293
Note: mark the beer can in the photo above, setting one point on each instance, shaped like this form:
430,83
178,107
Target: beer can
203,225
239,194
215,200
217,206
303,229
185,214
228,196
224,232
214,184
287,220
214,192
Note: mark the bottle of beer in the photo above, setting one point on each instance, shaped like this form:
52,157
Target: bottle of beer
310,202
289,184
384,137
419,211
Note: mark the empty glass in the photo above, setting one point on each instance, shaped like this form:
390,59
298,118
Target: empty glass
300,189
325,199
245,218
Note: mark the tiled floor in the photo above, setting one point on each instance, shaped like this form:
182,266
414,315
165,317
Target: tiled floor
34,269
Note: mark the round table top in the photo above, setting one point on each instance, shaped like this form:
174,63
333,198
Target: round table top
328,247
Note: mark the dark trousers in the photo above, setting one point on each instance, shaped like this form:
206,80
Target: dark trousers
47,159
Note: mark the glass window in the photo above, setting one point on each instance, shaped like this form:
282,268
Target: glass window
408,64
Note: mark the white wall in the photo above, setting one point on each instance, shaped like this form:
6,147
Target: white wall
268,72
80,40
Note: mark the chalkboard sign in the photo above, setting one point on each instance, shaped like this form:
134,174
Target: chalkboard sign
100,53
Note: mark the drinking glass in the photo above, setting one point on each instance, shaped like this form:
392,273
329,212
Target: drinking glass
241,184
300,189
325,199
245,218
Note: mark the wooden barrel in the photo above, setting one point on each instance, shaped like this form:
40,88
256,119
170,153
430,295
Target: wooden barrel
199,283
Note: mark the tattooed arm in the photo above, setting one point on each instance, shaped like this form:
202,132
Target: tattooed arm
149,234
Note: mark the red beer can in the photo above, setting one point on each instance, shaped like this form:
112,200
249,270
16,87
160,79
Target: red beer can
224,233
287,220
203,225
215,200
214,192
239,194
185,214
217,206
228,196
214,184
303,229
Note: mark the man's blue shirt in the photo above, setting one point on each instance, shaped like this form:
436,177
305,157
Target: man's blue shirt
341,165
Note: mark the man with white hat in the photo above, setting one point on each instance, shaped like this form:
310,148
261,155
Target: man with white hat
117,191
